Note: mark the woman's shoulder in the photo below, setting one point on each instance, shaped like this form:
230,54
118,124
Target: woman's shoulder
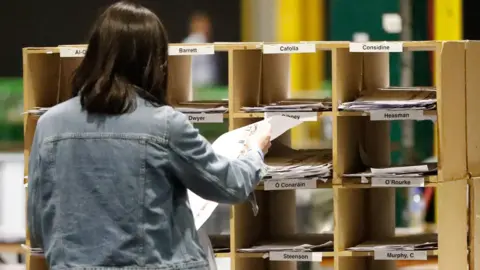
62,109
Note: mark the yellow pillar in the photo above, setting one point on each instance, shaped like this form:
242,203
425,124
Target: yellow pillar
289,29
302,21
246,20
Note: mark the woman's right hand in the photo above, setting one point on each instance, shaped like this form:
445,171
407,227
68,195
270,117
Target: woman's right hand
261,139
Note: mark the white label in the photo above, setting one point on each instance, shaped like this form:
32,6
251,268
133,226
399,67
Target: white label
376,46
398,182
396,115
290,184
191,50
295,256
289,48
302,116
72,52
205,117
399,255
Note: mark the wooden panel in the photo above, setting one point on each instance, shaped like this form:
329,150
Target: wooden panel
451,118
473,110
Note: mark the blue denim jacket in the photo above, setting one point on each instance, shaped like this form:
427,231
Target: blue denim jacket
110,192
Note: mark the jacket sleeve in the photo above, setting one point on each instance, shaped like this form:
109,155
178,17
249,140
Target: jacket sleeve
211,176
33,202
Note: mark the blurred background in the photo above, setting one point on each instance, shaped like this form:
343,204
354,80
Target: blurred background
28,23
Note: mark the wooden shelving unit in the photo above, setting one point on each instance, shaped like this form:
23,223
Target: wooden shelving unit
473,144
361,212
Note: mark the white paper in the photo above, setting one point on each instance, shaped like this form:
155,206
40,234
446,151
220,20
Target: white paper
398,182
401,169
205,117
231,145
72,52
289,48
295,256
290,184
191,50
376,46
399,255
389,115
302,116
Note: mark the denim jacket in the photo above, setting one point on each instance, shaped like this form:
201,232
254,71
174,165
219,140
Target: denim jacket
110,192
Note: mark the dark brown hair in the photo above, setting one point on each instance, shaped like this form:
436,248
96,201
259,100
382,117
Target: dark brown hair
126,56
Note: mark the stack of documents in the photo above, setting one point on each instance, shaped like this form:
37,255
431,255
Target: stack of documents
393,98
284,163
293,105
398,172
412,242
327,246
369,246
33,251
38,110
205,106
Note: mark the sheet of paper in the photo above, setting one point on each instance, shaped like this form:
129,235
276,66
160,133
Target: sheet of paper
231,145
402,169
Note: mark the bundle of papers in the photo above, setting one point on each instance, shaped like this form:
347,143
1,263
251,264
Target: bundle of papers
398,172
285,163
412,242
33,251
372,247
327,246
393,98
205,106
38,111
293,105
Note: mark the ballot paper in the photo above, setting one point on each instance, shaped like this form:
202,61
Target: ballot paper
327,246
285,163
184,109
203,106
393,98
37,111
232,145
292,105
220,109
399,171
410,242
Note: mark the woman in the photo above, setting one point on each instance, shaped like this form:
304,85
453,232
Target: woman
110,168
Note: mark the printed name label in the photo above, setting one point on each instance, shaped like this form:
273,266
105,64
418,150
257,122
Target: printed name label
398,182
399,255
376,46
295,256
288,48
396,115
191,50
205,118
302,116
72,52
289,184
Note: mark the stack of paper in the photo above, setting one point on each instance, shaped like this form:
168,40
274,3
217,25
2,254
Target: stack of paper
398,172
38,110
293,105
393,98
33,251
372,246
205,106
327,246
285,163
412,242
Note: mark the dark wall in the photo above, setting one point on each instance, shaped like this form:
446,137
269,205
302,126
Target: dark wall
33,23
471,20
